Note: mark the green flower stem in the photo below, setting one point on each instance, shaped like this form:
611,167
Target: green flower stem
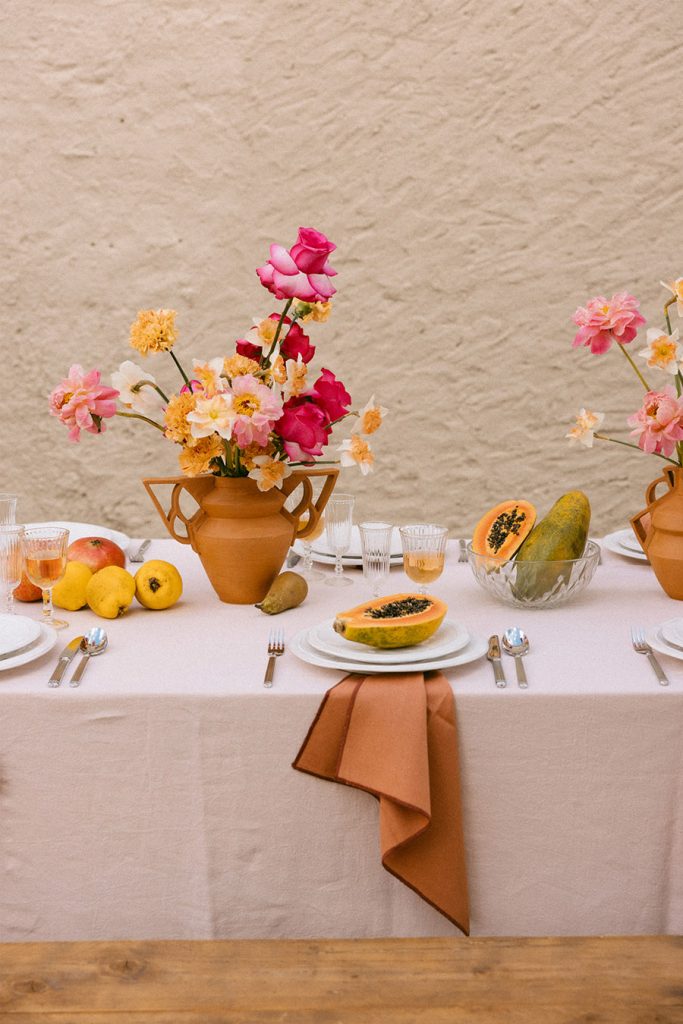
635,369
149,384
627,444
175,360
278,329
138,416
671,302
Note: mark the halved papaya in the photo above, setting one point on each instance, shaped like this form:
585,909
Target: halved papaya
503,529
397,621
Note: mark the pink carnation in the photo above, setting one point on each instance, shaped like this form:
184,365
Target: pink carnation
303,272
659,423
303,428
81,402
331,395
601,322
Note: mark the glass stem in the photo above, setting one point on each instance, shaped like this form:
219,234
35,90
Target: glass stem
308,556
8,600
338,567
47,604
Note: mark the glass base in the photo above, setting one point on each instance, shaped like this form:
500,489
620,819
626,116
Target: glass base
56,623
338,581
309,574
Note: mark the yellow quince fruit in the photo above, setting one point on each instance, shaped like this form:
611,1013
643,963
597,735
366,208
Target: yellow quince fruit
110,591
69,593
158,584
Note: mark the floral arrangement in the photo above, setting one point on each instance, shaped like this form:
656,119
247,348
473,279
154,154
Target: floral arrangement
658,423
254,412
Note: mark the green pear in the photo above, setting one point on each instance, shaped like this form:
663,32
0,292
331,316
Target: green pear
287,590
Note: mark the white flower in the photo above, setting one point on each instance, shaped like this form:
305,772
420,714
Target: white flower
663,350
147,401
370,418
356,452
269,472
295,384
212,415
209,375
587,423
676,289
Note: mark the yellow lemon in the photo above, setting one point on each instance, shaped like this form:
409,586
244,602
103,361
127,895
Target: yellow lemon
158,584
110,591
69,593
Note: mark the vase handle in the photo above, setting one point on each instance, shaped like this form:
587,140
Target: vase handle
314,508
197,487
668,477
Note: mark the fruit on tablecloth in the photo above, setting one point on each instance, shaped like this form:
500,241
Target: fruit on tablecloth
158,584
110,591
96,552
69,592
397,621
503,529
560,535
288,590
27,591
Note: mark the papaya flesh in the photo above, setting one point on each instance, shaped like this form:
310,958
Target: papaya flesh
401,620
560,536
503,529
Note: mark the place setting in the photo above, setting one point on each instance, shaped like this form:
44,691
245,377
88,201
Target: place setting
626,544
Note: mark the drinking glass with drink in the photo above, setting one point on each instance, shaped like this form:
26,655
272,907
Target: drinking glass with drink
45,563
424,552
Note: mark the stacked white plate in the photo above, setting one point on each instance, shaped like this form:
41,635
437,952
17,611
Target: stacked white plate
451,645
667,638
324,555
624,542
78,530
22,640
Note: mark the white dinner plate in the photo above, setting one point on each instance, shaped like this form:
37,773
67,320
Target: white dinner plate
449,638
672,632
17,632
78,530
615,542
475,649
45,642
321,547
658,643
350,561
627,539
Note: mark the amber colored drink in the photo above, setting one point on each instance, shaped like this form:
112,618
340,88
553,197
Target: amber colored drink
423,566
45,571
317,530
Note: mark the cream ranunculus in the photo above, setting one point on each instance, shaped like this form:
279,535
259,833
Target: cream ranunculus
146,400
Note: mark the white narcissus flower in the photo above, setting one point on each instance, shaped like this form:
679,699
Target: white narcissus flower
212,415
587,423
295,384
370,418
209,375
147,401
676,289
269,472
356,452
663,350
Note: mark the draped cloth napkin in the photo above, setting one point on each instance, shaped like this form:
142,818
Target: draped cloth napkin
395,736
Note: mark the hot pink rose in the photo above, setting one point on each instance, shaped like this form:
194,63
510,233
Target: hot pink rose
295,344
331,395
81,402
601,322
303,272
303,428
659,423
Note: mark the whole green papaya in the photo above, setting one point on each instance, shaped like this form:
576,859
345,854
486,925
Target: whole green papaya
561,534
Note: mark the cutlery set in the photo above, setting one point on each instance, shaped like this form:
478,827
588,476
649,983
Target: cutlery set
89,646
516,644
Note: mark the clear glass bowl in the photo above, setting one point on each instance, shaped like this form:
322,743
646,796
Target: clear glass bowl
534,584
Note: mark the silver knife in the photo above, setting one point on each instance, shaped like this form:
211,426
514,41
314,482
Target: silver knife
65,657
493,656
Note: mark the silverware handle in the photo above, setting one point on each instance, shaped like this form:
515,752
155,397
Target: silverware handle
499,674
80,669
522,680
658,670
56,677
268,678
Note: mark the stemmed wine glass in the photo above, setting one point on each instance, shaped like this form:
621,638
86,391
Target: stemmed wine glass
45,559
375,542
338,523
424,552
306,568
11,562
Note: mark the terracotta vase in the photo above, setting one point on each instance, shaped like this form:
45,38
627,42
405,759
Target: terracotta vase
241,534
659,528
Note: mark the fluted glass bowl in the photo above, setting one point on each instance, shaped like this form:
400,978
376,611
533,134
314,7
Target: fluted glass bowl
534,584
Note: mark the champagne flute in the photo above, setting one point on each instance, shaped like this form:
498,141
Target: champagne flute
45,558
375,542
8,509
424,552
338,523
11,562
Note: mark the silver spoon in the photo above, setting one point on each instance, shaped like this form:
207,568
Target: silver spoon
92,644
516,643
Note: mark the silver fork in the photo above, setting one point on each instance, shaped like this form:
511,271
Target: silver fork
276,647
642,647
462,554
139,555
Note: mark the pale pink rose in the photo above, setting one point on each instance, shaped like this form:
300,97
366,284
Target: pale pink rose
82,403
659,423
601,322
257,409
302,272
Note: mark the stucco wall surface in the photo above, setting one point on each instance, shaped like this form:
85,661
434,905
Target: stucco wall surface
483,168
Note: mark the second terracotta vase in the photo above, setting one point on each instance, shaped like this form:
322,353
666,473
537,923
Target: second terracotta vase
659,528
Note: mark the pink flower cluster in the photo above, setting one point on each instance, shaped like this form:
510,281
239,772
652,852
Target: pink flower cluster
82,403
601,322
302,272
294,343
659,422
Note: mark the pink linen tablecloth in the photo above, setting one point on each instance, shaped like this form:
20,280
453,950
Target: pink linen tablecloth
158,801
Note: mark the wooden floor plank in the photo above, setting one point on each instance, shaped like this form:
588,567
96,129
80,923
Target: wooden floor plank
634,980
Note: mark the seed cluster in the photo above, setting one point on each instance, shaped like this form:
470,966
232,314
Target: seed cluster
505,524
397,609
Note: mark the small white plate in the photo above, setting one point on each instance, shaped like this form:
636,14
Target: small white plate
658,643
320,545
628,540
475,649
78,530
614,542
351,561
17,632
449,638
672,632
45,643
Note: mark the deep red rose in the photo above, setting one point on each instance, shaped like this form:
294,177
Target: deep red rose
245,348
303,428
331,395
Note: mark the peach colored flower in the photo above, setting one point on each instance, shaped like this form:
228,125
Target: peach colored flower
676,289
587,423
265,331
146,400
209,375
82,403
371,417
269,472
277,371
237,366
252,451
215,414
355,451
295,380
197,459
175,418
316,311
153,331
255,408
659,422
603,321
663,350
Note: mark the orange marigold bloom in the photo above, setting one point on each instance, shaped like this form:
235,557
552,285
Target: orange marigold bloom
153,331
239,366
175,419
196,460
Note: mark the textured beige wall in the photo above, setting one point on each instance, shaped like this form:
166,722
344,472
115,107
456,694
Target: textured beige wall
482,167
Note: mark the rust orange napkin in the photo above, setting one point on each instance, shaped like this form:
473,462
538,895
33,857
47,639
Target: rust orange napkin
395,736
